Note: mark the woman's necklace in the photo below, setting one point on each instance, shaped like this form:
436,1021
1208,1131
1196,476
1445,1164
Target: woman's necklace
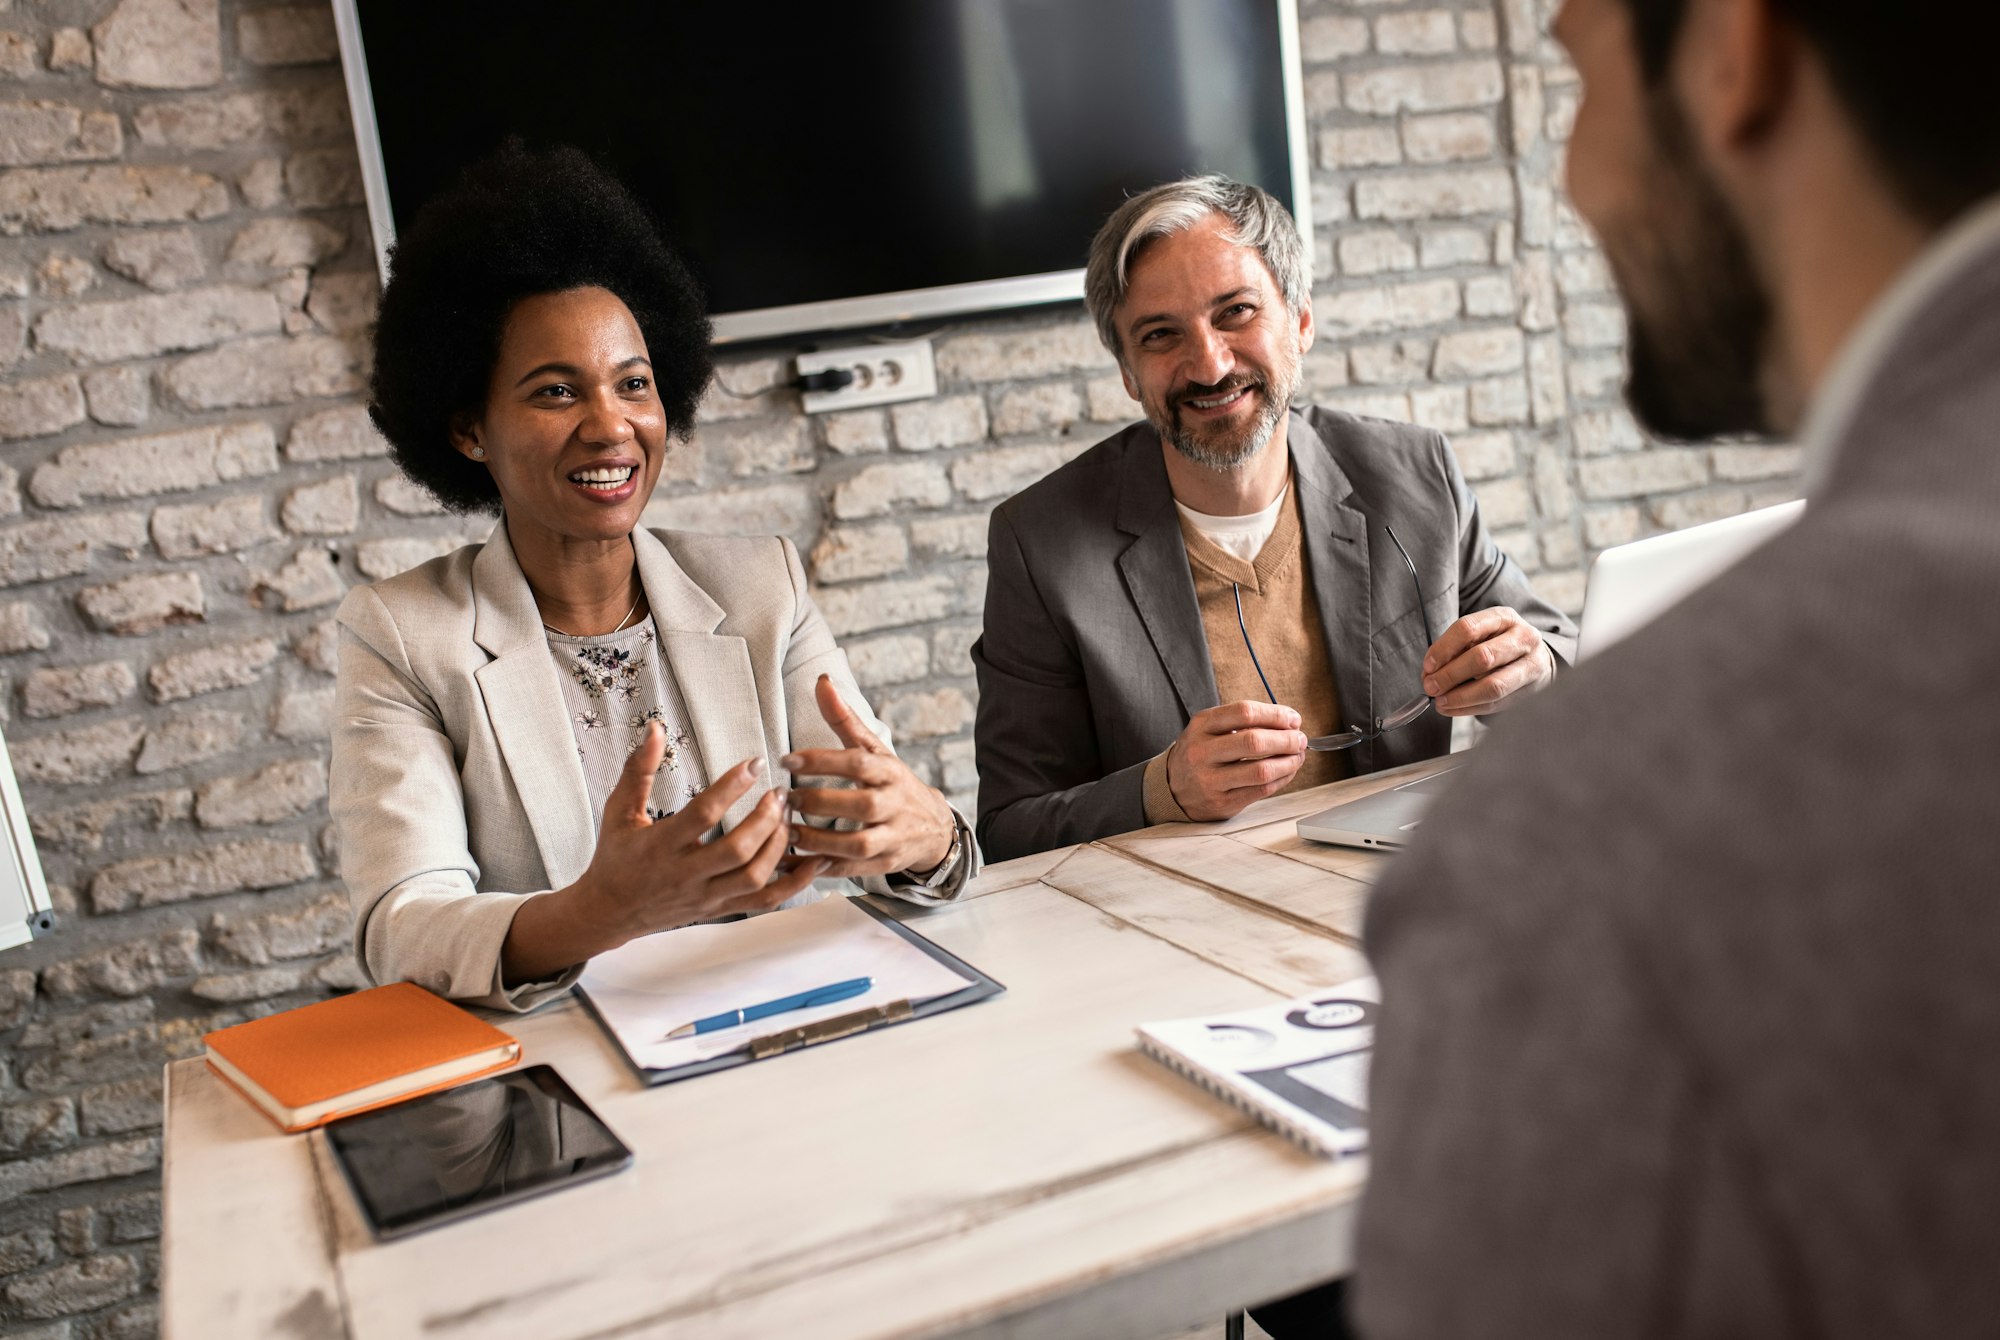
621,623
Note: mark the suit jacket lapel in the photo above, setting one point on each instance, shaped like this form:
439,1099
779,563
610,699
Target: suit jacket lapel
1155,569
524,708
1337,554
712,669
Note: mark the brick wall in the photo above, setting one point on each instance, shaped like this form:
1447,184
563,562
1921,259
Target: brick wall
188,484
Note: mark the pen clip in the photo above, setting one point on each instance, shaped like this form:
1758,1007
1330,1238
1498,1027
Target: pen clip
826,1030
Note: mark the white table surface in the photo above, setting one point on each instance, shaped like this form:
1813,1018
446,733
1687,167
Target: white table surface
1013,1168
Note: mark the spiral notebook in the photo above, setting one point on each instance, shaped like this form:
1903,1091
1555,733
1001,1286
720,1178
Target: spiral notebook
1300,1066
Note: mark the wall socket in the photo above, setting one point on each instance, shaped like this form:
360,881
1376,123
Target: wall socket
883,374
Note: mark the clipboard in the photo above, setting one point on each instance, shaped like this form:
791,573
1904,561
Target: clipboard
763,1044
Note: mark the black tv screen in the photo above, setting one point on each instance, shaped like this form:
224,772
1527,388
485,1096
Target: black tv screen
847,164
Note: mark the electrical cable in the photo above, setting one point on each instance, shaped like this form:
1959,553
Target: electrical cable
830,379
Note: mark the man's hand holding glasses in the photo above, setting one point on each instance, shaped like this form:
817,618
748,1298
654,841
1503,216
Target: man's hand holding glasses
1230,755
1480,664
1485,662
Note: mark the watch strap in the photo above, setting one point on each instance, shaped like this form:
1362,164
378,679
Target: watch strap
937,874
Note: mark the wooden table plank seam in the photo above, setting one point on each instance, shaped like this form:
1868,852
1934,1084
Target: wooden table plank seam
329,1184
782,1272
1015,874
1245,937
444,1323
1248,902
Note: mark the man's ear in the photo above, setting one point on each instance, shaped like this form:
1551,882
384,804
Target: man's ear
1734,67
1306,329
1131,387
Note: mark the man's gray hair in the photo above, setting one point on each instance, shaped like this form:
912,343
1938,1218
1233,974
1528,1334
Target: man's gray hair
1255,218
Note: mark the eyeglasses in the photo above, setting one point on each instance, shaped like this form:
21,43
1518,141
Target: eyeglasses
1395,720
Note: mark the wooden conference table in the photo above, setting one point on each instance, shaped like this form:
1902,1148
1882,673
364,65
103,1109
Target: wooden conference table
1015,1168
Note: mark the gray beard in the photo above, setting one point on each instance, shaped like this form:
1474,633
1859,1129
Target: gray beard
1246,450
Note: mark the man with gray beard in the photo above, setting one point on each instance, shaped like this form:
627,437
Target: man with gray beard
1240,595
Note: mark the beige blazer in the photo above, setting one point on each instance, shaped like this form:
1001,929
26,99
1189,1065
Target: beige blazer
455,787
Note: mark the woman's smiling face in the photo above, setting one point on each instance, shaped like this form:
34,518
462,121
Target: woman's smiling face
572,430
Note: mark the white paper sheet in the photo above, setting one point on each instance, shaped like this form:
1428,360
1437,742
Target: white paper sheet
653,985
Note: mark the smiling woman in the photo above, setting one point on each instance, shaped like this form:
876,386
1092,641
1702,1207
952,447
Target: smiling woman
538,738
572,434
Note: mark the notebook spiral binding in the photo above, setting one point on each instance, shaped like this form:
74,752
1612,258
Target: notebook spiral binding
1299,1135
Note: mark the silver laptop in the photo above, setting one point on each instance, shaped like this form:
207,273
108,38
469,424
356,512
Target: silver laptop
1386,820
1635,583
1629,587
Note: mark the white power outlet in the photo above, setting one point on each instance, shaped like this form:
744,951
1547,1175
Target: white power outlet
883,374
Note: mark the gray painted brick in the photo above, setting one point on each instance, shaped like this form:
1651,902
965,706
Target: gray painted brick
74,1286
225,867
40,406
269,795
58,199
107,332
22,628
286,35
267,371
162,260
385,558
209,669
127,969
84,754
221,527
189,737
309,112
37,133
143,604
159,44
118,397
335,435
162,463
56,691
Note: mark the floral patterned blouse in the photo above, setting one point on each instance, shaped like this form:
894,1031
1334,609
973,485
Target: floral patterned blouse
613,685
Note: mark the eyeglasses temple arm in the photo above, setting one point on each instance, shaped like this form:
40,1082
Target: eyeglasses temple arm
1238,591
1423,611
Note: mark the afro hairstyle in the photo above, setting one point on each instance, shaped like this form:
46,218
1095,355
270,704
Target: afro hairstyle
520,222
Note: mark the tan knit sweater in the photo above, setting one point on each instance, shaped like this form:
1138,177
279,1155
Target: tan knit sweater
1284,623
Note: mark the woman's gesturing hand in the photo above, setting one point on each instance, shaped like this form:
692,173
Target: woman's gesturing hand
653,874
904,825
650,874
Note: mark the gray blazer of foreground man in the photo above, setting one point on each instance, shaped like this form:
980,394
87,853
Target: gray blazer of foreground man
1093,656
1690,1005
1704,995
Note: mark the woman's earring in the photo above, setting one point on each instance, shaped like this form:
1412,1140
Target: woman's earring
479,453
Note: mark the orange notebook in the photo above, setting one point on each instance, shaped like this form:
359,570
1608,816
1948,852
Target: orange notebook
305,1067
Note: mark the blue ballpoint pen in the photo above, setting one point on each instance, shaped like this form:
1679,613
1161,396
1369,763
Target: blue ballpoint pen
819,995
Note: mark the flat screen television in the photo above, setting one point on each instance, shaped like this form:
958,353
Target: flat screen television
825,166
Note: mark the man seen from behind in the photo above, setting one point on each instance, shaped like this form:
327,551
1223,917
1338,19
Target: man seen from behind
1689,986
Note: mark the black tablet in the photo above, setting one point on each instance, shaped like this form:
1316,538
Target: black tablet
449,1155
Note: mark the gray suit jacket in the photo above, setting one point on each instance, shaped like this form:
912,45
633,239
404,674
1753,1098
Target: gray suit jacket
1093,656
1692,988
455,787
